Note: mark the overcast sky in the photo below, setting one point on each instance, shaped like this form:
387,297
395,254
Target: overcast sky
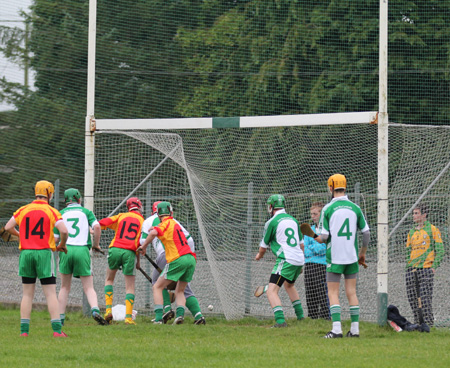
9,16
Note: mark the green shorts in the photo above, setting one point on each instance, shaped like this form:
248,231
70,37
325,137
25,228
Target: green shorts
349,269
287,270
77,261
182,269
38,263
123,259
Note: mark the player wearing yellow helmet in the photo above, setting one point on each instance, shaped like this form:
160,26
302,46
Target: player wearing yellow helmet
339,221
36,222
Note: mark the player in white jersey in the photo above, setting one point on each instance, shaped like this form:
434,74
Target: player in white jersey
339,221
283,235
77,261
191,300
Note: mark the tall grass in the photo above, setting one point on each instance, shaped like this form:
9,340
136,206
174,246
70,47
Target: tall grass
245,343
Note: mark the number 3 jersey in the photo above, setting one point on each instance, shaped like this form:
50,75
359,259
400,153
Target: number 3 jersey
36,222
283,235
78,221
127,227
339,220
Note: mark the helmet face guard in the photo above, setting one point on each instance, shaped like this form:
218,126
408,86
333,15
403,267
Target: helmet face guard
155,207
134,203
164,209
275,201
72,195
44,188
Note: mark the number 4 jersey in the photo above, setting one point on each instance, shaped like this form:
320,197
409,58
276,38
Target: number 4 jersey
339,220
36,222
127,227
283,235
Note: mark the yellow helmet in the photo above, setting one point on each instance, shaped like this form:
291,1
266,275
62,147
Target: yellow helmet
337,181
44,188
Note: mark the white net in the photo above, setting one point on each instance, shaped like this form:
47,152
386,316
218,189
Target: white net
218,181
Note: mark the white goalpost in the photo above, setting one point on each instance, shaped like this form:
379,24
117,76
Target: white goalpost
218,173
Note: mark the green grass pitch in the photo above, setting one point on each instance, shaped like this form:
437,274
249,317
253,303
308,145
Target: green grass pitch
245,343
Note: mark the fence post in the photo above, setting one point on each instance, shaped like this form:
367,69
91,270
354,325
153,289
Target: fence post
248,275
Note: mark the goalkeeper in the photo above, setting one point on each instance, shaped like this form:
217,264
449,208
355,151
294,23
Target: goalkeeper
191,300
180,259
77,261
283,235
339,221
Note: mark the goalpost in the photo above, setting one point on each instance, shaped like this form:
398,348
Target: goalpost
218,173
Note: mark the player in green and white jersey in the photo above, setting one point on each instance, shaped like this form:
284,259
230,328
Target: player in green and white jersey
77,261
282,234
339,221
191,300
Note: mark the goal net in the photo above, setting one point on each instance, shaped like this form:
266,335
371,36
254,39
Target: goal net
218,181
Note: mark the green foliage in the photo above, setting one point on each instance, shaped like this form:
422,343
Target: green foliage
219,343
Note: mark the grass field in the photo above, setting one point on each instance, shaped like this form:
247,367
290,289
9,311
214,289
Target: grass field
245,343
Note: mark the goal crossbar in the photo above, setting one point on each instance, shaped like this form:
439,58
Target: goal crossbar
368,117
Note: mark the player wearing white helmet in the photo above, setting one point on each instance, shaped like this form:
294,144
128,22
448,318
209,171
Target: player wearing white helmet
77,261
339,221
36,222
283,235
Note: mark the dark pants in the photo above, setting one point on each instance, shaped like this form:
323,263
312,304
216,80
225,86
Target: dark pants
316,291
426,281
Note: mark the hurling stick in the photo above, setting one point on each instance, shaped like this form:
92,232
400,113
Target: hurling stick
306,230
145,274
153,263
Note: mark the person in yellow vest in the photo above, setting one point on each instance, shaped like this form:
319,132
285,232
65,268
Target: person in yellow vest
425,253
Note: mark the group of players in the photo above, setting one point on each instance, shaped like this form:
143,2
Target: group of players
43,230
75,230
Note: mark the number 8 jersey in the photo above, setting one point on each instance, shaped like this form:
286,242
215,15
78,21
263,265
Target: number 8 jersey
339,220
36,222
283,235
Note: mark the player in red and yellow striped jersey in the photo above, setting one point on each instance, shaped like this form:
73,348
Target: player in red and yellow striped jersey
36,222
180,265
122,254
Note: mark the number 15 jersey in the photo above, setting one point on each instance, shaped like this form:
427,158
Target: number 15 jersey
127,227
339,220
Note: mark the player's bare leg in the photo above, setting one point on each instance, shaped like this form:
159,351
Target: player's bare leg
350,291
180,300
109,293
25,308
53,308
129,302
275,303
158,299
91,295
335,309
66,281
295,299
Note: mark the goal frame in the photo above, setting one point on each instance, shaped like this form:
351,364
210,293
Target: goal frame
381,118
